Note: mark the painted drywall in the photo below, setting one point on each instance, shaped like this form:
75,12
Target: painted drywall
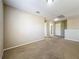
72,31
73,23
72,34
22,27
1,29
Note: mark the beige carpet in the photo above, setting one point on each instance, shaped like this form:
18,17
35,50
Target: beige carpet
49,48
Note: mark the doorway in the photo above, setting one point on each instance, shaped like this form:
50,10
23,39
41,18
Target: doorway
60,27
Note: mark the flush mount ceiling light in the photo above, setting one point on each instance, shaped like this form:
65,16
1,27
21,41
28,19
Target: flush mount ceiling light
50,1
56,19
60,18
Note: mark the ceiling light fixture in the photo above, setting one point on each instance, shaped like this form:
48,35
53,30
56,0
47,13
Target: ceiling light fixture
60,18
56,19
50,1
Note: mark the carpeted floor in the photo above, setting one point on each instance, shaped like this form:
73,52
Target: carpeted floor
49,48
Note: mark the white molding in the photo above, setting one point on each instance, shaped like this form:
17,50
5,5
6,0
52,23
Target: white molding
22,45
71,39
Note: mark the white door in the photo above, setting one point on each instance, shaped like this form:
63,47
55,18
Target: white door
51,29
58,29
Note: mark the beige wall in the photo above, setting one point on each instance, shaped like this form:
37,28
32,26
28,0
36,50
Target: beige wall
72,31
22,28
1,29
73,23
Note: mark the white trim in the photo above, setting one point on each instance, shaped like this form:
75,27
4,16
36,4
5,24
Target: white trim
71,39
22,45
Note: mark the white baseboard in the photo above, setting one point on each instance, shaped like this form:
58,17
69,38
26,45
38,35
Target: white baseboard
71,39
22,45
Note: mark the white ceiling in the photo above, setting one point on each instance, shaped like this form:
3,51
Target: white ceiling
58,7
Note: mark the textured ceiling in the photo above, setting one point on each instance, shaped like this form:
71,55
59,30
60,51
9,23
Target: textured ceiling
58,7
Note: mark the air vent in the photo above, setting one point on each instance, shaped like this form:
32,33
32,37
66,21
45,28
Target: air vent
38,12
61,16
